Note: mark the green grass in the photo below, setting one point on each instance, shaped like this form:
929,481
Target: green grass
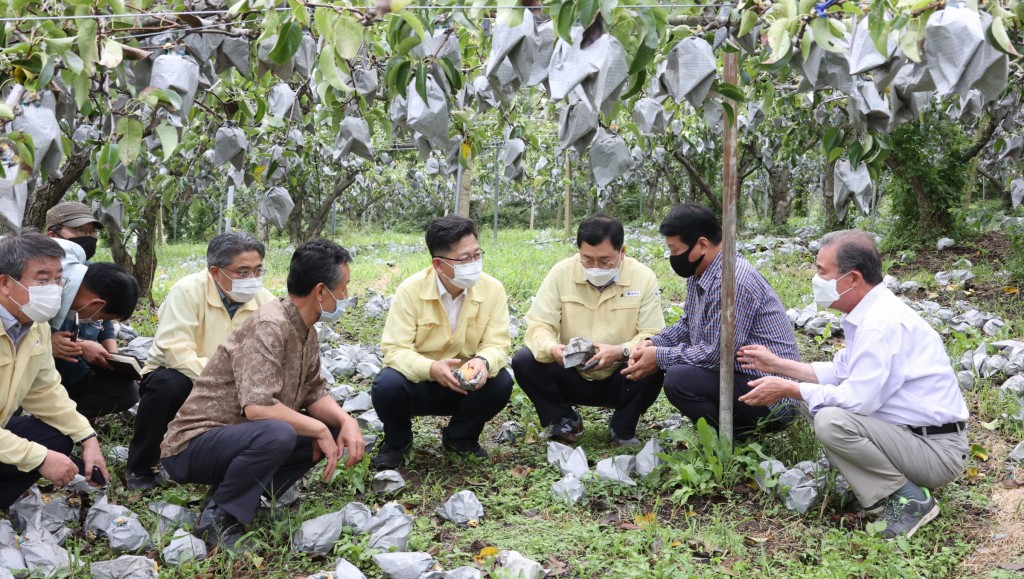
731,532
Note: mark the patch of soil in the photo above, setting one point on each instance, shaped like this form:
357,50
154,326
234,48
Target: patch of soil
1005,543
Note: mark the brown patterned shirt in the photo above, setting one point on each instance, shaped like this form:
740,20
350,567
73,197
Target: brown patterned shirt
271,359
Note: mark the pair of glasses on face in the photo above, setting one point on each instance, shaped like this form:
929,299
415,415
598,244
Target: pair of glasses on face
478,256
603,263
84,231
59,281
244,273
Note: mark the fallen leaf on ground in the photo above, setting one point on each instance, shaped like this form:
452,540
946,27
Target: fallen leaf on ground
1011,566
627,526
646,520
755,540
1011,291
978,451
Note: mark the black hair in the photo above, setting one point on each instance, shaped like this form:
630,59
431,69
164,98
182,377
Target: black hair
446,232
597,228
224,248
856,250
316,262
113,284
689,222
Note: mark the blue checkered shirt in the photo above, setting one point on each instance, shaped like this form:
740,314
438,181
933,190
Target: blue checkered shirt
760,319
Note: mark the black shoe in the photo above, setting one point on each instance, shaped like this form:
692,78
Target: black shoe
219,527
618,441
470,447
142,481
389,457
566,429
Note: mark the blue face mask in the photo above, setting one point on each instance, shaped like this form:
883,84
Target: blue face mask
339,308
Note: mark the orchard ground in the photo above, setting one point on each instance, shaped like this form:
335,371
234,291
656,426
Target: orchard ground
727,527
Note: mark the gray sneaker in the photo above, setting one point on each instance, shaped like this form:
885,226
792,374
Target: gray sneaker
903,517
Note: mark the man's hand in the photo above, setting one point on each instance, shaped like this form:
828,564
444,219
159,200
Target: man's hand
479,371
558,353
95,354
58,468
92,456
642,362
64,348
757,357
606,356
769,390
325,446
441,372
351,437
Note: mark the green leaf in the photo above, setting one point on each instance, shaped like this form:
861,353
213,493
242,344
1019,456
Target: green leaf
510,13
288,40
588,10
168,139
324,20
730,113
154,96
834,155
6,112
411,42
415,23
329,69
566,17
731,91
637,86
1002,40
46,74
402,74
823,35
299,11
106,162
878,28
833,136
58,45
856,152
130,130
348,36
87,44
607,8
910,39
643,57
453,74
747,22
779,39
421,81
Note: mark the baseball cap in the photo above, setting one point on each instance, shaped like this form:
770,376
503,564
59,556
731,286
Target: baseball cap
70,214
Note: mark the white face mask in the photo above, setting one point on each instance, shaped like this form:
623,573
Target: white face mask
43,302
244,290
824,290
601,277
466,274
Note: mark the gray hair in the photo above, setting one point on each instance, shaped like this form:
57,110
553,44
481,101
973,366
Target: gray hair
17,250
224,248
856,250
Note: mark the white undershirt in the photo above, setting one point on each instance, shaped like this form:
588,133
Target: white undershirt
451,305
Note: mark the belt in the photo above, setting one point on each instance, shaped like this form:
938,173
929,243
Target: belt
948,428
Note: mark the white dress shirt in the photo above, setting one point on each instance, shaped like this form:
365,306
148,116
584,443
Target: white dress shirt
894,368
451,305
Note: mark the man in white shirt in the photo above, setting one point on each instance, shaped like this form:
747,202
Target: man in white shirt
888,408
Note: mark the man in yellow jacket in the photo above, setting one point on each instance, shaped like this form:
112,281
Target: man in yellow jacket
200,312
450,316
39,442
613,301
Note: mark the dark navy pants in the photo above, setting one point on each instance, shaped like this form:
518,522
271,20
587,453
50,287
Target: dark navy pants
554,389
162,392
13,482
243,462
695,392
397,399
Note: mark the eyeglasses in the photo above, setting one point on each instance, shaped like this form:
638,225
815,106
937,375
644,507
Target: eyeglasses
59,281
88,230
478,256
603,263
245,272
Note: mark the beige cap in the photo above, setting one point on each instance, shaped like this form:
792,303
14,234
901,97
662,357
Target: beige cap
70,214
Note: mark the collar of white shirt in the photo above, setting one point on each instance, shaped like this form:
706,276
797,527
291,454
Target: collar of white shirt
451,304
856,316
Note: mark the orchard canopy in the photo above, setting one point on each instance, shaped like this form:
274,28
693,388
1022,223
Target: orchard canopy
277,113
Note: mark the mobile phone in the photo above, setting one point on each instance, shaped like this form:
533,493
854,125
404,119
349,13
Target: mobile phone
589,365
97,476
74,329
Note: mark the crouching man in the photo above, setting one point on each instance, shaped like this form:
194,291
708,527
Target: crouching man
260,416
888,408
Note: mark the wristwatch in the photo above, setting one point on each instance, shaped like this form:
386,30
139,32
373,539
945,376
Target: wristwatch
625,351
487,364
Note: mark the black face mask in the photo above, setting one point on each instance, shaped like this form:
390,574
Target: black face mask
88,243
682,265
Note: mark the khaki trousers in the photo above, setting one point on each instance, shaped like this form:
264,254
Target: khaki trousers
877,458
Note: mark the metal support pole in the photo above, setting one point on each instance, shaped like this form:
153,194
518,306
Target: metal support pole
730,194
497,180
231,204
458,187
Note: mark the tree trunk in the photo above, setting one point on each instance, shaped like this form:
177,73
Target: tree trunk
302,228
464,194
50,193
143,264
780,183
832,221
701,183
568,196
